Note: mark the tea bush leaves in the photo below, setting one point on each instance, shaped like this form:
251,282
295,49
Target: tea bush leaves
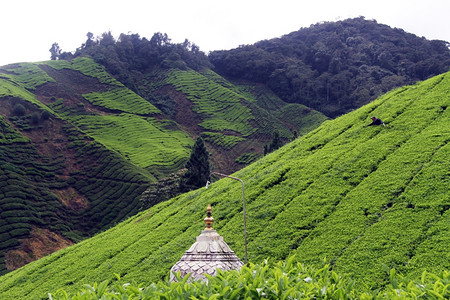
86,66
146,142
121,99
282,280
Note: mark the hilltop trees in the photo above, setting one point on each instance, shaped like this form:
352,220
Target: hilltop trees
335,67
55,51
198,167
131,53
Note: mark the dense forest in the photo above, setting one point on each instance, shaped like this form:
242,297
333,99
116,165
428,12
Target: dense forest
335,67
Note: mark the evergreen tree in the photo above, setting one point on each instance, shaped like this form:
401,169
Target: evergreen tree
55,51
275,144
198,167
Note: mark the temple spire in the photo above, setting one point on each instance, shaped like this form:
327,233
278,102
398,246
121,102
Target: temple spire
208,220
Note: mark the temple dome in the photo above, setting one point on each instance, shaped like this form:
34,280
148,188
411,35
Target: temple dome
206,255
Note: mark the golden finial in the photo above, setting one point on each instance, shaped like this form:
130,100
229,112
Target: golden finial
208,220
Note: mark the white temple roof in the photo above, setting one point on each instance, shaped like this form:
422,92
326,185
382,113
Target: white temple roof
206,255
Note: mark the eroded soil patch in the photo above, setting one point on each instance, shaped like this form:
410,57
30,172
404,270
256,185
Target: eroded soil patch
40,243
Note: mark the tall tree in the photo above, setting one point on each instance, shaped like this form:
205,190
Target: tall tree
198,167
55,51
90,41
275,144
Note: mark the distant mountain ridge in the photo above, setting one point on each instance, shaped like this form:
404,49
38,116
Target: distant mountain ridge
335,67
367,199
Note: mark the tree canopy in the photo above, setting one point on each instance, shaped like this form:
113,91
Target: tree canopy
335,67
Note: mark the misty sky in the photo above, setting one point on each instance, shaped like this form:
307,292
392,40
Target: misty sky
29,27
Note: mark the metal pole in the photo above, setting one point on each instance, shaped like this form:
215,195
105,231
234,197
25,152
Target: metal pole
243,205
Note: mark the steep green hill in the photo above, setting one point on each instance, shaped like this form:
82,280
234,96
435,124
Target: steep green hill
364,198
58,185
85,147
235,118
179,81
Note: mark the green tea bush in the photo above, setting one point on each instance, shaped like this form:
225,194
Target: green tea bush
29,75
9,244
225,141
18,233
142,140
86,66
12,90
283,280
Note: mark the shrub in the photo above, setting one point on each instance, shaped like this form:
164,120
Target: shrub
45,115
35,118
283,280
19,109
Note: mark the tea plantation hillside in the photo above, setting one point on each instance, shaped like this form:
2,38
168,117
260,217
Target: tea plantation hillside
365,198
79,148
57,185
235,119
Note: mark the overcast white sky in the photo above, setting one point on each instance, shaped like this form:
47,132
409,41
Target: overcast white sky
29,27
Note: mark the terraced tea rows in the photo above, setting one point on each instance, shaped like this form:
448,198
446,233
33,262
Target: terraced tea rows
300,117
221,140
123,100
28,75
12,89
365,198
87,67
82,189
33,193
144,141
26,200
220,108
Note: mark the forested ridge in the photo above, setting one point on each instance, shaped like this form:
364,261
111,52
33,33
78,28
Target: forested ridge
335,67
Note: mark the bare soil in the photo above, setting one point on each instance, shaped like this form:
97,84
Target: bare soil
40,243
185,117
71,198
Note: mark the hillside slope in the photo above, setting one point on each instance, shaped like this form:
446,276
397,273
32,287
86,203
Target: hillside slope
364,198
58,185
179,81
79,148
